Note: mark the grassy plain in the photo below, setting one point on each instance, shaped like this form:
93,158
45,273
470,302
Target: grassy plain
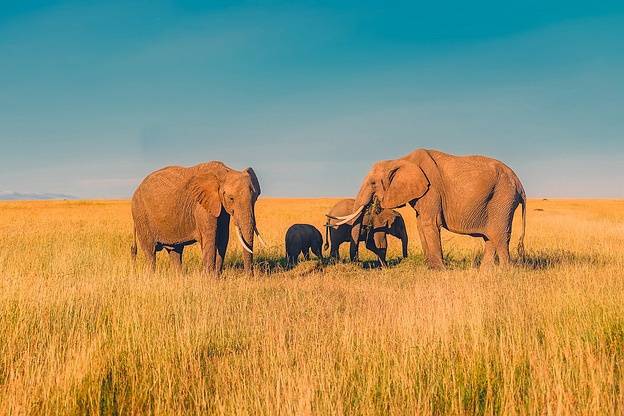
82,333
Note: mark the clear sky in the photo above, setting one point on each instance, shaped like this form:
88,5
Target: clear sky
94,95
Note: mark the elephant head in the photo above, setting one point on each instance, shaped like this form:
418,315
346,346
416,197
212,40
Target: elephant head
393,182
236,193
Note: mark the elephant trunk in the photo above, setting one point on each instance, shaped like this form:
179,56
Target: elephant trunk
245,228
248,256
326,245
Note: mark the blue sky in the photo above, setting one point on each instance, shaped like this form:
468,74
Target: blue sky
94,95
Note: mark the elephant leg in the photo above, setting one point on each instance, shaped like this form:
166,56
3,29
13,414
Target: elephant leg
353,251
381,247
223,236
355,243
175,255
208,240
489,254
149,248
209,251
306,253
423,240
334,252
502,250
318,252
293,259
430,238
404,243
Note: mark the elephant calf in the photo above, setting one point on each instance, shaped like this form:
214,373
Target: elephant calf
373,230
300,239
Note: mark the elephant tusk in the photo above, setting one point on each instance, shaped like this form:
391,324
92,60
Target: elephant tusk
260,237
240,239
348,218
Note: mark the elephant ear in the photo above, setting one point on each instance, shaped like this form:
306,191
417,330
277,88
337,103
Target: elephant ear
254,180
204,189
403,184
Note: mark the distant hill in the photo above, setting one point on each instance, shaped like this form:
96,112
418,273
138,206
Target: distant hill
16,196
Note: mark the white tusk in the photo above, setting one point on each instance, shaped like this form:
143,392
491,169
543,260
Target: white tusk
350,217
240,238
260,237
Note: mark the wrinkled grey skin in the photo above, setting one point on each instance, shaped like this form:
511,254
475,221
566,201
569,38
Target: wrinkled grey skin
470,195
300,239
374,232
177,206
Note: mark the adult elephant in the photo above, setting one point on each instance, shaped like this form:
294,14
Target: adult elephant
177,206
373,230
472,195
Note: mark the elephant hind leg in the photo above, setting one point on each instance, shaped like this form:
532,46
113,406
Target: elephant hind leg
291,259
317,251
149,248
489,254
502,250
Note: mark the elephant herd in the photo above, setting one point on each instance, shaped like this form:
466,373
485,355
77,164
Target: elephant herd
472,195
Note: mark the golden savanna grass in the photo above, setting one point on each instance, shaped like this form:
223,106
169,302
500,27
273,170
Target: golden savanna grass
82,333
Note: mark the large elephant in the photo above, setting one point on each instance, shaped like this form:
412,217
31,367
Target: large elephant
177,206
472,195
372,229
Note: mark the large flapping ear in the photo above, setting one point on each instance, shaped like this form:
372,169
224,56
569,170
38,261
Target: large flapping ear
254,180
204,189
404,182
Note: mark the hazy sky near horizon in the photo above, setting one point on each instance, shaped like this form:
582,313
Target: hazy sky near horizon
95,96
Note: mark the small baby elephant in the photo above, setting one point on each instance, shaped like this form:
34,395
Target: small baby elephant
300,238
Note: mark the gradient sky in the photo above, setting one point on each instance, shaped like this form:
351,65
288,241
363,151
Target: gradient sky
94,96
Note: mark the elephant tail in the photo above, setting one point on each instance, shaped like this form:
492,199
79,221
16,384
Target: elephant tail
521,251
133,248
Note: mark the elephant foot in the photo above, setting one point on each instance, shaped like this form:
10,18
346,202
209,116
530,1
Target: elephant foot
436,265
487,265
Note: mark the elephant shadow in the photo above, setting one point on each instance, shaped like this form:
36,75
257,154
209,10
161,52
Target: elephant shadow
539,260
375,264
534,260
266,264
542,260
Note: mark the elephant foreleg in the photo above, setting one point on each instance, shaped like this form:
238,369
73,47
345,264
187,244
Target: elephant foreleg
208,257
207,229
381,246
355,242
430,239
404,243
334,252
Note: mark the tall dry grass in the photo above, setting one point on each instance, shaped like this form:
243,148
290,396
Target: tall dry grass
81,333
